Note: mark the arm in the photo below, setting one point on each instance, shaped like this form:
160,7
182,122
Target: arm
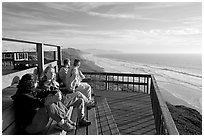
81,75
73,79
32,101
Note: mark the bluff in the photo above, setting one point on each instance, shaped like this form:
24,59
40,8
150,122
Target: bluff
188,121
86,65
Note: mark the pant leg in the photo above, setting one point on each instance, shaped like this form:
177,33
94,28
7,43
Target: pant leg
79,104
70,99
39,121
57,111
80,95
85,89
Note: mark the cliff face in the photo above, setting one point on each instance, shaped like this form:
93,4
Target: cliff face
86,65
188,121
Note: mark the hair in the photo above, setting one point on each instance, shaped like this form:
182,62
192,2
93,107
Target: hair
66,61
26,83
76,61
43,75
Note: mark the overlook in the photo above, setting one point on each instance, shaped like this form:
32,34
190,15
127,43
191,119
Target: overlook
126,103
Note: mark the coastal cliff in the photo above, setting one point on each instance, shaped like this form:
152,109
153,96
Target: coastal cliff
188,121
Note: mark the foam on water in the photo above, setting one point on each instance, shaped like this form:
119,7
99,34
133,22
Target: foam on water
180,82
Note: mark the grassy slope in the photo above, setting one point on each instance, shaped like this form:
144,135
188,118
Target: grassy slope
87,66
188,121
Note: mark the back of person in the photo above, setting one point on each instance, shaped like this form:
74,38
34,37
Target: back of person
62,74
63,71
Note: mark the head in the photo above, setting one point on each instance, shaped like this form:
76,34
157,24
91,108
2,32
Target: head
76,63
27,83
50,73
67,62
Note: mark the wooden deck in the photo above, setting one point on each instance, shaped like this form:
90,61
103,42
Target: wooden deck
132,112
117,112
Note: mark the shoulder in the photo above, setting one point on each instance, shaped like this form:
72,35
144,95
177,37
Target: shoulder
61,69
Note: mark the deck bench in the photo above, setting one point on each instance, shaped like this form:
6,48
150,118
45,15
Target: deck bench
9,126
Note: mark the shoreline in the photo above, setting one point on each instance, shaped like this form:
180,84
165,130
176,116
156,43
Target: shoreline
164,89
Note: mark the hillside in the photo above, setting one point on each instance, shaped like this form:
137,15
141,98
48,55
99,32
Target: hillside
86,65
188,121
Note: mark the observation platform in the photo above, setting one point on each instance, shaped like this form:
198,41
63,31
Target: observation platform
126,103
116,112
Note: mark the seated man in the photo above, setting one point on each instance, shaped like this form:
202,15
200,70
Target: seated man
74,78
32,109
63,71
48,83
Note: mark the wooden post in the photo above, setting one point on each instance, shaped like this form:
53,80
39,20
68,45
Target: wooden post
40,54
118,81
144,82
107,84
59,53
139,84
55,55
133,83
148,85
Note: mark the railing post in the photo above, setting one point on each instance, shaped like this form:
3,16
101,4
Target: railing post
59,53
40,55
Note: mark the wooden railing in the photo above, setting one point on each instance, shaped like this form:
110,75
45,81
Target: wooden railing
137,83
109,81
119,81
40,61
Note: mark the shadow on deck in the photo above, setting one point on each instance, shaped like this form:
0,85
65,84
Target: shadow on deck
132,112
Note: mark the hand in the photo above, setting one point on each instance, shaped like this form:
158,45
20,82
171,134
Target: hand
59,96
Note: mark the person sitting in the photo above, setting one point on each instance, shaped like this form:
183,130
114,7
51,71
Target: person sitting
48,82
33,108
63,71
73,80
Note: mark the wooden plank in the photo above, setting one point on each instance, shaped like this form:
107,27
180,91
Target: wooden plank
117,74
45,131
8,117
167,119
93,128
10,130
73,117
82,130
40,55
115,82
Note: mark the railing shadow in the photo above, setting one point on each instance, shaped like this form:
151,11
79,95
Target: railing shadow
132,113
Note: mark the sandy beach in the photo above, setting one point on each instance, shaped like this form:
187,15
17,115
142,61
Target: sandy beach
176,87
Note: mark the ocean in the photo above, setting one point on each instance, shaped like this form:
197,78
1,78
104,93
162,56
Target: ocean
179,76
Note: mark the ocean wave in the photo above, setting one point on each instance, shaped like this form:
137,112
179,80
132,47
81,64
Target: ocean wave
164,75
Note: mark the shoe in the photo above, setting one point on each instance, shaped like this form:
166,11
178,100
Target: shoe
66,126
84,122
93,94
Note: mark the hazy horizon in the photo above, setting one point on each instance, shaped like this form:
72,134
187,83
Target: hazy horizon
129,27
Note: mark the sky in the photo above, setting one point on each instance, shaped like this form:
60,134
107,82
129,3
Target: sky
130,27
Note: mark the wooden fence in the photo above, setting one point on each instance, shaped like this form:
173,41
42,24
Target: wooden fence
9,79
137,83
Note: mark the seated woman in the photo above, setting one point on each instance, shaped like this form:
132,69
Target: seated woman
48,82
74,78
63,71
33,109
